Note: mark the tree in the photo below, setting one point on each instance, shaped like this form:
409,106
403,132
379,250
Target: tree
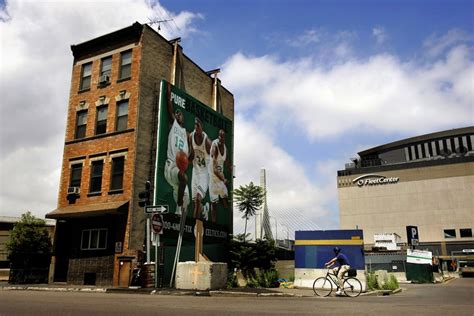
29,248
249,199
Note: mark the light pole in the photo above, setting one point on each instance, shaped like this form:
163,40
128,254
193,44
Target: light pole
276,231
287,243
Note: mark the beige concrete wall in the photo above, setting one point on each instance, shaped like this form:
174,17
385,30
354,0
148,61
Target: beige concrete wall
432,198
304,278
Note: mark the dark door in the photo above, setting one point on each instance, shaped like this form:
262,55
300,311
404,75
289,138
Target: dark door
61,251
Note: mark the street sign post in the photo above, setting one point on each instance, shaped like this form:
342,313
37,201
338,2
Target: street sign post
160,209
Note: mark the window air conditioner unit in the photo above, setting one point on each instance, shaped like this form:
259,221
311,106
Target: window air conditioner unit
73,190
104,79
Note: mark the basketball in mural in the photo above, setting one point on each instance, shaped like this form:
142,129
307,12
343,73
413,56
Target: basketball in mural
182,160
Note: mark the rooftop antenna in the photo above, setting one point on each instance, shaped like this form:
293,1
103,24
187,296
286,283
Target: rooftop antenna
158,21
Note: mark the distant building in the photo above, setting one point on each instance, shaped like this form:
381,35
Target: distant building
387,241
425,181
6,226
110,147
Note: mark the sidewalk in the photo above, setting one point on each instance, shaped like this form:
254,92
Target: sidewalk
236,292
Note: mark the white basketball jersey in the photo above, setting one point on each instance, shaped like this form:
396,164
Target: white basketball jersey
220,159
201,157
177,140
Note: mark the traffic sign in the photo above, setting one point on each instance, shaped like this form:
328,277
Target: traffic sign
157,223
161,209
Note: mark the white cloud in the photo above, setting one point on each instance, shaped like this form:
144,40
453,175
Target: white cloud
289,187
436,45
35,66
308,37
379,34
382,93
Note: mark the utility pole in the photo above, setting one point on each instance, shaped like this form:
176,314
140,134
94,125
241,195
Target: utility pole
143,201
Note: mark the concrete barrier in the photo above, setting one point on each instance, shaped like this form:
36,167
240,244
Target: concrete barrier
201,276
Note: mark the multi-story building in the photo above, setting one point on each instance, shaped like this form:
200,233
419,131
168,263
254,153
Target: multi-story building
110,145
425,181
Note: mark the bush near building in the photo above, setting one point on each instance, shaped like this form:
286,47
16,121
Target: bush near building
256,261
29,251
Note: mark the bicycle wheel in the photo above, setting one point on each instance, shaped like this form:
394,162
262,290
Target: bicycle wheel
322,286
352,287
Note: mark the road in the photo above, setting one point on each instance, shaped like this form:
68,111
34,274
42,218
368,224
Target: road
453,298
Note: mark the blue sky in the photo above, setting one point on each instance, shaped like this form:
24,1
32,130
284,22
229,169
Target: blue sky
314,83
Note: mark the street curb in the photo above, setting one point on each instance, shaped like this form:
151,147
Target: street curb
279,295
168,292
381,292
53,289
230,293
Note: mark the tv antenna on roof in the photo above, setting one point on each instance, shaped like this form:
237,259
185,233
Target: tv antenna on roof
157,21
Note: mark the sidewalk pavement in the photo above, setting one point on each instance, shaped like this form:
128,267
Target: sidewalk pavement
236,292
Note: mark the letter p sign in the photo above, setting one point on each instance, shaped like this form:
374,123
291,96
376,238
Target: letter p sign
412,234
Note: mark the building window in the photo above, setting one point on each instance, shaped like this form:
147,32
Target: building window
106,66
449,233
86,73
81,124
94,239
465,232
101,124
125,65
116,181
96,176
76,173
122,115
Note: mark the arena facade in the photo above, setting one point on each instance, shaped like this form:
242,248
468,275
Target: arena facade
425,181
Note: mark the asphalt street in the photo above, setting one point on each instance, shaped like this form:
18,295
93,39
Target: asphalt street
455,297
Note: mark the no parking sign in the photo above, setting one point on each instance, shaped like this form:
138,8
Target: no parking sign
157,223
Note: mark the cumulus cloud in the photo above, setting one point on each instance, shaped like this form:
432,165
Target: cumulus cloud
35,66
381,93
292,197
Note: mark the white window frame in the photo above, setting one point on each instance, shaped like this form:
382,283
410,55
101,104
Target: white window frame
98,230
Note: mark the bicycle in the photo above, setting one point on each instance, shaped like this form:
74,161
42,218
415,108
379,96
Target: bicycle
323,286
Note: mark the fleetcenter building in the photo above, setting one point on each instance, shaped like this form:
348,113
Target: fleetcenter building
425,181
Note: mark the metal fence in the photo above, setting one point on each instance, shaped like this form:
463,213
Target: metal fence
391,262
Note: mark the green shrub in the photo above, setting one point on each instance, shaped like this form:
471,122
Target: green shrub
372,283
268,278
390,283
252,282
231,280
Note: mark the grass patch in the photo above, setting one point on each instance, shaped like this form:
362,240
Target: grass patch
390,283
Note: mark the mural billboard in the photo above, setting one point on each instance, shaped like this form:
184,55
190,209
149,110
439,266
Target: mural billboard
194,162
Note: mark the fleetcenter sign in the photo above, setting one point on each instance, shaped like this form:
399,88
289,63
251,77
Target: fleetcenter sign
374,179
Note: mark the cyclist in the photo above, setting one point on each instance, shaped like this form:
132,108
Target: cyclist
343,267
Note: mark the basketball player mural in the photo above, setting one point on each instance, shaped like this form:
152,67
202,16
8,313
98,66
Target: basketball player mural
179,150
201,145
218,183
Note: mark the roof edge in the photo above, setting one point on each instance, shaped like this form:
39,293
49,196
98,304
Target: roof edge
425,137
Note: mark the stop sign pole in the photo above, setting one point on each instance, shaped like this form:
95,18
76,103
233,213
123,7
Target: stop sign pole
152,211
157,241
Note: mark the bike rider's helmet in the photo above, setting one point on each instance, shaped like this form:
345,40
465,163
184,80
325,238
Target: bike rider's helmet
337,250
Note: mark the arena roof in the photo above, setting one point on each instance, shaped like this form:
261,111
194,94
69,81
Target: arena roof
417,139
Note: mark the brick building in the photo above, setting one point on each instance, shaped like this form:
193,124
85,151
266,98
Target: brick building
110,146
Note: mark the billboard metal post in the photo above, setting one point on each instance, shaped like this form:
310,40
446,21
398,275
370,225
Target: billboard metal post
148,239
157,245
178,246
